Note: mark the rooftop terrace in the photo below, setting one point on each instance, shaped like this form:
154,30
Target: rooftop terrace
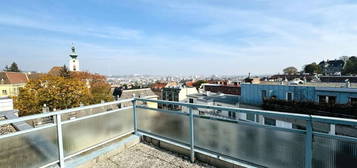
109,135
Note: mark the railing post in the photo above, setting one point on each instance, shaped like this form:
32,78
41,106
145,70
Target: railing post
192,135
308,144
135,116
60,140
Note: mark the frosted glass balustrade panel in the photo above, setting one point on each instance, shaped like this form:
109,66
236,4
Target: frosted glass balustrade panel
261,146
333,153
172,126
89,111
85,133
29,150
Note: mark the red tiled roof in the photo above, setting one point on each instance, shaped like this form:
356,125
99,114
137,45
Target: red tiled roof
15,77
159,85
56,70
189,83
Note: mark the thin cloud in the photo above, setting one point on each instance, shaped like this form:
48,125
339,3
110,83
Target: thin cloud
232,37
109,32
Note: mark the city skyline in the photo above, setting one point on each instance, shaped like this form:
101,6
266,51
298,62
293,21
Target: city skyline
176,37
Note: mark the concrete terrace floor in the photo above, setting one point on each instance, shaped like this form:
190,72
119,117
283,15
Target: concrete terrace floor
143,155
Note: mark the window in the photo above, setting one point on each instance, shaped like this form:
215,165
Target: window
190,100
231,114
269,121
4,92
322,99
289,96
331,99
353,100
327,99
234,115
264,94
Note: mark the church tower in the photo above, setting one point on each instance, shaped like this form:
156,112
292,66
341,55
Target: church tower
73,62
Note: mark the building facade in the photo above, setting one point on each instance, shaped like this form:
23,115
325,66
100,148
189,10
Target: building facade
176,93
254,94
11,82
215,99
332,67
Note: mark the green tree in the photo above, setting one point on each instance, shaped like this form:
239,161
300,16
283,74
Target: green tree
64,72
351,66
290,70
56,92
312,68
13,68
198,83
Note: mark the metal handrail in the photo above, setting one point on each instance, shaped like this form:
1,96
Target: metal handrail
309,133
316,118
308,118
48,114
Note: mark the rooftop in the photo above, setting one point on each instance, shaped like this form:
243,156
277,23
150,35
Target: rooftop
216,97
13,77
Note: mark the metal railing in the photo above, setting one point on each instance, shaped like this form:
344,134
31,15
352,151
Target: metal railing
232,140
312,138
50,141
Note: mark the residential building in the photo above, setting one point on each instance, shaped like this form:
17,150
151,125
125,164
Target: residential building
215,99
176,93
332,67
254,94
10,82
157,89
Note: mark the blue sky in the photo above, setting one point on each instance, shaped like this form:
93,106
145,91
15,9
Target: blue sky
186,37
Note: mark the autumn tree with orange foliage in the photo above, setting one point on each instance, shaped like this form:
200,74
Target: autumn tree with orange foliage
54,91
98,86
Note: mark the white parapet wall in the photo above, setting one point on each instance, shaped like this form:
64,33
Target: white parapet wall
6,104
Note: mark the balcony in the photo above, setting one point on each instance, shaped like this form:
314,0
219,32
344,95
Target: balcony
113,132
